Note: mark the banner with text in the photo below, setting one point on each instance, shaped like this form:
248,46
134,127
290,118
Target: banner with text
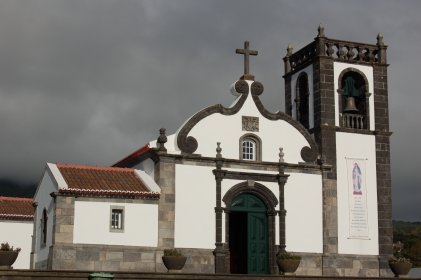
357,194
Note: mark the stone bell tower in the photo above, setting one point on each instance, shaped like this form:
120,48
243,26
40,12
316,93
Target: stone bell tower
338,91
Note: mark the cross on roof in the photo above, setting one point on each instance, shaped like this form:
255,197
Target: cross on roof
246,52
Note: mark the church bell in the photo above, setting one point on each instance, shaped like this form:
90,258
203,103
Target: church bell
350,105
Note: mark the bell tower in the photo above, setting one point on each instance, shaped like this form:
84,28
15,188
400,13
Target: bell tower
338,91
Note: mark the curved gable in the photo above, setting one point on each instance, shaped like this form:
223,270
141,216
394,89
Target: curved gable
227,125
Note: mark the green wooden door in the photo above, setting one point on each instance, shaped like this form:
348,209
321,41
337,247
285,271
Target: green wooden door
257,232
257,247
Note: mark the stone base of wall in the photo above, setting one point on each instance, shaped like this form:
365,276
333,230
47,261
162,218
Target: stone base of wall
310,265
201,261
14,274
343,265
123,258
350,265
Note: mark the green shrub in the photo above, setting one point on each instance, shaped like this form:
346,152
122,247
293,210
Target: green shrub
172,253
287,256
6,247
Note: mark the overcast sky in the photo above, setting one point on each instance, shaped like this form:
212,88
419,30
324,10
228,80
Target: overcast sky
89,82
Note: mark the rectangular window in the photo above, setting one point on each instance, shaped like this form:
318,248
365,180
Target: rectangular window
117,219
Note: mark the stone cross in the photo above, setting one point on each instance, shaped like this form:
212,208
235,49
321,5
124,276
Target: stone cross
246,52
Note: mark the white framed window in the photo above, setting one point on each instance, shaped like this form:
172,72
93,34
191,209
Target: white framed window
117,218
250,147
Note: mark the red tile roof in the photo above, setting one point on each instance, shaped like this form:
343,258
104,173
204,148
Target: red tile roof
96,180
130,159
16,208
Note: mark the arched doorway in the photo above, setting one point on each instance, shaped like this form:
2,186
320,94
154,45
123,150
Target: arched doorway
248,235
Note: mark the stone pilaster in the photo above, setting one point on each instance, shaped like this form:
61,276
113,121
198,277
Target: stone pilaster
324,118
63,219
165,178
384,183
63,225
221,252
282,214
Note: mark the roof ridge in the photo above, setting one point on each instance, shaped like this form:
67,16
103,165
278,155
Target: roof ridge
15,198
93,167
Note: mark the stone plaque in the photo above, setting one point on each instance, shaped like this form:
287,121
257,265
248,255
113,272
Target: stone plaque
250,123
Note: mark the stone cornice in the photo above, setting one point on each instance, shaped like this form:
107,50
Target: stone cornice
196,159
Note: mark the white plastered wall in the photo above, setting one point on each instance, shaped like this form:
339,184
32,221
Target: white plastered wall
349,145
194,207
309,71
45,201
18,234
338,67
195,214
92,224
304,219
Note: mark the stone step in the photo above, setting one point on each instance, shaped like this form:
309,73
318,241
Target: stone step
16,274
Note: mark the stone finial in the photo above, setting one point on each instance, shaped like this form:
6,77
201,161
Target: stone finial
289,49
281,154
321,31
380,40
162,139
218,150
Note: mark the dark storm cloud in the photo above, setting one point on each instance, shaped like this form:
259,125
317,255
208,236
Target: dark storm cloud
91,81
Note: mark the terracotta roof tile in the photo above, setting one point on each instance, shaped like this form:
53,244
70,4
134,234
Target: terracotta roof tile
130,159
16,208
103,180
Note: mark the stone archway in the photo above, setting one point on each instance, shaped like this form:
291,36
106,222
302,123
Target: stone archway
250,217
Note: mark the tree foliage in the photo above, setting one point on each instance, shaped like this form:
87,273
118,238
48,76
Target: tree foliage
409,233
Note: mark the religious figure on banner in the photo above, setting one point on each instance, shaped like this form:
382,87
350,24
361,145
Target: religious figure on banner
357,179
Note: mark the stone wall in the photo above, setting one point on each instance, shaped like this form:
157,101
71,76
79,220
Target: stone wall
124,258
338,265
350,265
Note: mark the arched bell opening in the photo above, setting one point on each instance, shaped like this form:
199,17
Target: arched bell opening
354,99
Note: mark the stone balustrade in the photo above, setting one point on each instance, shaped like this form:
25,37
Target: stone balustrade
355,121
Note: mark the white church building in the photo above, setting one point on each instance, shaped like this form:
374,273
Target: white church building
233,186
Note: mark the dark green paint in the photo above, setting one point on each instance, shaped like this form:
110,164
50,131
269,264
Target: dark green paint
257,232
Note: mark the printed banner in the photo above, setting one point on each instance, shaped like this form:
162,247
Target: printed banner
357,194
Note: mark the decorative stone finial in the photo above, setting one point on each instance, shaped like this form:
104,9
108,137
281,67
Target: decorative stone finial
289,49
321,31
218,150
162,139
246,52
380,40
281,154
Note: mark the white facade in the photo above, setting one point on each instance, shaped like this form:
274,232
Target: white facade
19,235
360,147
196,201
227,130
92,224
196,195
